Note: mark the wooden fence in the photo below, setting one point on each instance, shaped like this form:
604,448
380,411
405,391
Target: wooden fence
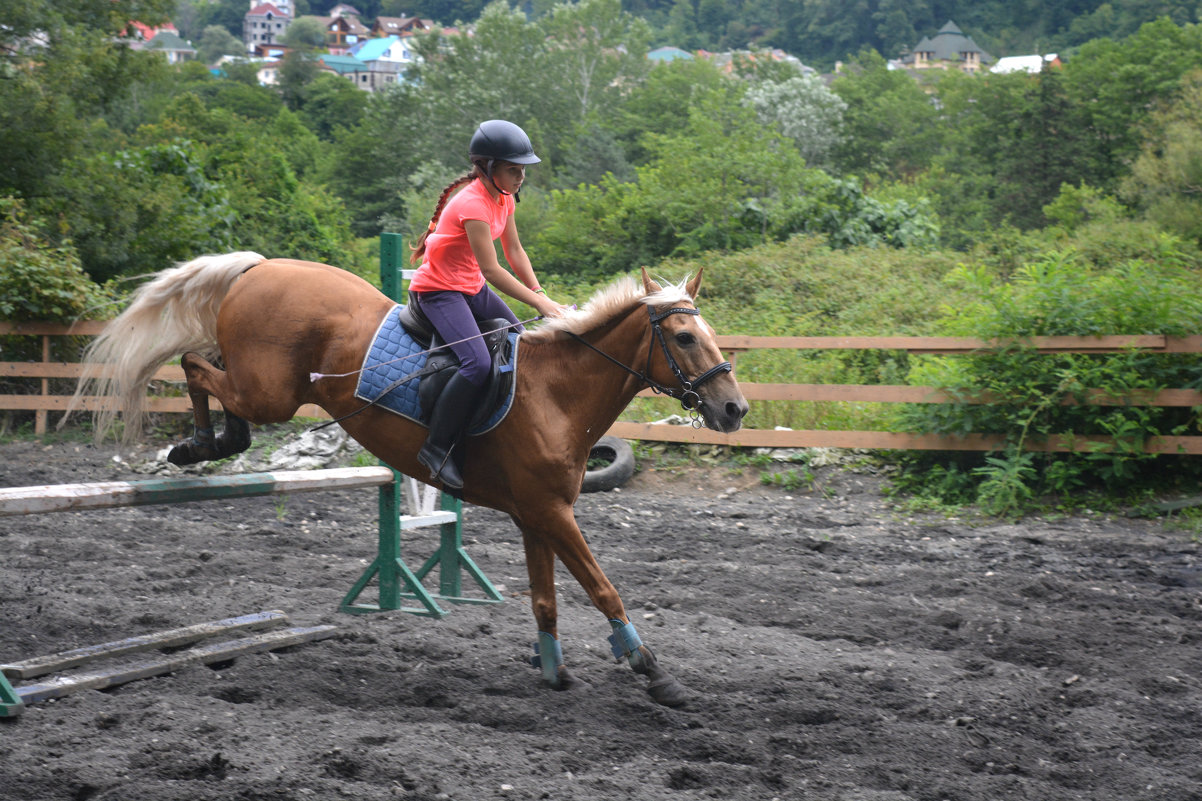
734,345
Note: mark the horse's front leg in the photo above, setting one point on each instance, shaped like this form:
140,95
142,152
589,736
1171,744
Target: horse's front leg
205,445
560,534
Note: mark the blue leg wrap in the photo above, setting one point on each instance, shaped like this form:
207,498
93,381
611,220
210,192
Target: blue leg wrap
548,655
625,641
203,437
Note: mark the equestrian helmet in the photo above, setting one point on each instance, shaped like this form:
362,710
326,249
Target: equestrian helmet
499,140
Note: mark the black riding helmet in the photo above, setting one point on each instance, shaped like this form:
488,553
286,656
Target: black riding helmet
499,140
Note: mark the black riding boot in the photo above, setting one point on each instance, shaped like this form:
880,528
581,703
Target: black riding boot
448,420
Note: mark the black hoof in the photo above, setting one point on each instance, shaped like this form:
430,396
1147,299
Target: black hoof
668,692
186,453
664,688
568,681
235,438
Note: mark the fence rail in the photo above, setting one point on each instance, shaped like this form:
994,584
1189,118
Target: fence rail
734,346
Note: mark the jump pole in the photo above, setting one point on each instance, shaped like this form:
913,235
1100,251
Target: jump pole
396,581
169,658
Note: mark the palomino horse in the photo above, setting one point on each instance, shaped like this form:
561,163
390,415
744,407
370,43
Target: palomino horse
274,322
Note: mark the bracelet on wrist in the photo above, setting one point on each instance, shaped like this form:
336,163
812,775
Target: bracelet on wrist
540,291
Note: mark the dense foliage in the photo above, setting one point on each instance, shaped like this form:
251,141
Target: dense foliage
1105,279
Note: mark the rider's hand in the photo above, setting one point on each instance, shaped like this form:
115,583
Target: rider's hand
549,308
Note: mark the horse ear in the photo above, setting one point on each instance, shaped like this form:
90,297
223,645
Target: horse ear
648,285
695,284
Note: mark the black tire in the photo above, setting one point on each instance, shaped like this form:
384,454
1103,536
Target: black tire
620,467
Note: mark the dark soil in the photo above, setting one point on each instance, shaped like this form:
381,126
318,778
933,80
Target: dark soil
836,650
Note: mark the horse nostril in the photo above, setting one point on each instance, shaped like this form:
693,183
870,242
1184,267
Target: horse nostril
736,410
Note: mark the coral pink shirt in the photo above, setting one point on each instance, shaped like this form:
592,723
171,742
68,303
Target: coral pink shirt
449,262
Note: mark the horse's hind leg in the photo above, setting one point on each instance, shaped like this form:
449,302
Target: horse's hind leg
540,565
205,445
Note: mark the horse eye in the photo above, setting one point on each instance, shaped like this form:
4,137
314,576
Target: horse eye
685,338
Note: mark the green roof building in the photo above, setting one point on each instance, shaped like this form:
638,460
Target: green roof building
948,49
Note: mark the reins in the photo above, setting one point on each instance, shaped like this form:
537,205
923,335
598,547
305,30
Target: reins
687,394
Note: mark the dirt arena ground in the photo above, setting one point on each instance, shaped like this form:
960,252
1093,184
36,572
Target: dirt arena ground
836,649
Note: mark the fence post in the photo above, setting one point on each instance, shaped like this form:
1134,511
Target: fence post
41,416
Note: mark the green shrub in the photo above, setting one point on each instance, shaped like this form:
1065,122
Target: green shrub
39,281
1037,396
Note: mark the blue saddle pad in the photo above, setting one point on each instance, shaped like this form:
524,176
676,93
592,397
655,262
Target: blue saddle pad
393,356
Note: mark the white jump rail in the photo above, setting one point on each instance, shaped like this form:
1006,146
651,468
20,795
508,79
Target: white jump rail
111,494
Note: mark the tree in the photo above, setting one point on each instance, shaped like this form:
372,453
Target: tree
56,82
1017,138
722,181
459,81
297,70
332,102
890,125
1116,84
138,210
216,42
227,14
305,33
661,103
803,109
595,48
1166,178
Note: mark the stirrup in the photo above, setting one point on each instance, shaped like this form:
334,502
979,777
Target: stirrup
441,467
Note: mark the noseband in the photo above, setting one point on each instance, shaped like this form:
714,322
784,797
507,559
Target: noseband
687,393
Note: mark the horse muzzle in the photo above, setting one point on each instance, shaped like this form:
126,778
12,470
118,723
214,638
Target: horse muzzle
724,415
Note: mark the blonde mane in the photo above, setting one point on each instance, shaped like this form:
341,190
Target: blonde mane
606,304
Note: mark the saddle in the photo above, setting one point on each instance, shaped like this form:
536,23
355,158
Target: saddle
410,387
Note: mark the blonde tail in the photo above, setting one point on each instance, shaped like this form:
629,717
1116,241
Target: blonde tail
176,312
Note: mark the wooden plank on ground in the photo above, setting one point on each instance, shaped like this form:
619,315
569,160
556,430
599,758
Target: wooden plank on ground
201,655
54,663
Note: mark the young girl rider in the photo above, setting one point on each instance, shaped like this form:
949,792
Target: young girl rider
458,262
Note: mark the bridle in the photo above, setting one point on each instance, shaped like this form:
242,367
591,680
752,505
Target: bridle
687,393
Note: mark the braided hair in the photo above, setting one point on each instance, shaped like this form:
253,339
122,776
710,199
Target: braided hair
419,247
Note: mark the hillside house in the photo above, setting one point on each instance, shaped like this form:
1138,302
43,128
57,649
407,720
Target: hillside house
343,31
264,24
950,48
386,59
726,61
668,53
171,45
400,26
1031,65
348,67
269,73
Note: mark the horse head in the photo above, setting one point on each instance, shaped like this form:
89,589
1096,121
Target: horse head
688,364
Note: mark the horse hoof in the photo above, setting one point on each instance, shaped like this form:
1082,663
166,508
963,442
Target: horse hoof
668,692
568,681
186,453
